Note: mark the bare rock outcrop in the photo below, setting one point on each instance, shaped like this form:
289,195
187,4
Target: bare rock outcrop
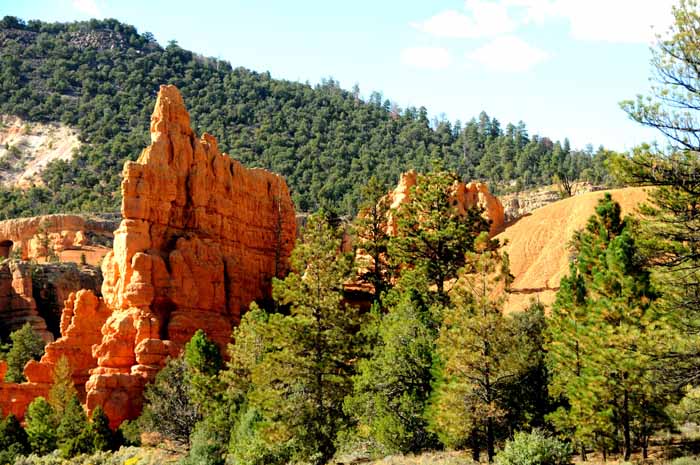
200,239
467,196
519,204
26,148
66,236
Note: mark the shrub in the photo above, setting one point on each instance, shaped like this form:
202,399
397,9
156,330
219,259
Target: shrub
535,448
686,461
129,433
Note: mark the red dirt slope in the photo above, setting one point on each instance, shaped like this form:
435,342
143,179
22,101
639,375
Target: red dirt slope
538,244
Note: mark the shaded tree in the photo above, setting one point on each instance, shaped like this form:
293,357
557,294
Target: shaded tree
13,439
168,409
371,231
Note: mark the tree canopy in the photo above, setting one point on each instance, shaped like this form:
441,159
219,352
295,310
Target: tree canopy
101,77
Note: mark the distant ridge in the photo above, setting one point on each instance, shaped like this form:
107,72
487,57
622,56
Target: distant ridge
98,76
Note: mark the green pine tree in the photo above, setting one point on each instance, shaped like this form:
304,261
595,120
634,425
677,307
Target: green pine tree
41,427
302,380
480,354
26,345
210,436
393,384
248,443
72,428
432,235
605,337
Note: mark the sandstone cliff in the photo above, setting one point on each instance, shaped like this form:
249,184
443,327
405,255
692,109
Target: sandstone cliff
538,244
200,239
66,236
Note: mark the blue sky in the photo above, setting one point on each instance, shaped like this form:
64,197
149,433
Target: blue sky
561,66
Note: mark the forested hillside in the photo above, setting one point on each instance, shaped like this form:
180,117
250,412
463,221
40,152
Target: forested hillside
101,77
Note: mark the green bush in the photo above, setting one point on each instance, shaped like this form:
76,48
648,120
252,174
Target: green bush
129,433
686,461
535,448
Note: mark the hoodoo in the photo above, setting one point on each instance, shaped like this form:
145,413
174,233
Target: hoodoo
200,239
466,196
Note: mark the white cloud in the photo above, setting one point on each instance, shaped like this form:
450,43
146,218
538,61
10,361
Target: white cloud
89,7
508,54
621,21
426,57
482,18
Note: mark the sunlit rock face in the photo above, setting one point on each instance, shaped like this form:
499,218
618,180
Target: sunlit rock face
200,239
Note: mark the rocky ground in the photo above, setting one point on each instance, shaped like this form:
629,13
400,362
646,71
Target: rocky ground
26,148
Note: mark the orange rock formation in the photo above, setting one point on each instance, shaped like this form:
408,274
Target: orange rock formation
17,303
201,238
467,196
538,244
68,236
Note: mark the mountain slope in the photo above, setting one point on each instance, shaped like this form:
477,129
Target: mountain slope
538,244
101,78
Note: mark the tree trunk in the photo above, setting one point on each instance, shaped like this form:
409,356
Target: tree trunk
583,453
490,449
475,446
626,427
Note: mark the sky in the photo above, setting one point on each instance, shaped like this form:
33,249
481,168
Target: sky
561,66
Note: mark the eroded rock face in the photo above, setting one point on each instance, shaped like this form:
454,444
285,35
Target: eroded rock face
82,319
53,284
17,303
66,236
467,196
201,238
81,322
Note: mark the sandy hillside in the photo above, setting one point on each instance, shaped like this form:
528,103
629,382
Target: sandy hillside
26,149
538,243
